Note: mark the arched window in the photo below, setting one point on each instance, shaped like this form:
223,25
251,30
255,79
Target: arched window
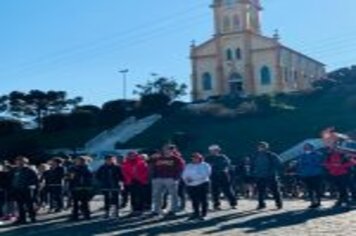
238,54
207,81
227,24
229,55
265,76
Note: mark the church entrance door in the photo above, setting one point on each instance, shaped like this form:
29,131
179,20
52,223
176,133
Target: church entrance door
236,84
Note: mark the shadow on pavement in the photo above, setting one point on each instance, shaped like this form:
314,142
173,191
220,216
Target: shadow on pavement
154,226
123,227
279,220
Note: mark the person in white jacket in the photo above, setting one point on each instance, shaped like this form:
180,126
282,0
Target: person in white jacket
196,176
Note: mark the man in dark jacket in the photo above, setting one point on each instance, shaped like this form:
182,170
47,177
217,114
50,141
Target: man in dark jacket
109,177
4,187
266,167
221,177
23,183
54,182
81,187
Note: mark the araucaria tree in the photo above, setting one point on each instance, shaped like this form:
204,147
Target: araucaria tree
38,104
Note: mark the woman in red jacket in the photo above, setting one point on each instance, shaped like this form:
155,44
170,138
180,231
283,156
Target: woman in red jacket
338,166
136,176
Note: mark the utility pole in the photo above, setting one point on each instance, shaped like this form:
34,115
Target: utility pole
124,82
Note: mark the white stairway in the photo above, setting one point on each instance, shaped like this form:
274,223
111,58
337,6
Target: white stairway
122,133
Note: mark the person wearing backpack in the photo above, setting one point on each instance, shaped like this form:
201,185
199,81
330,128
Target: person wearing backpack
266,168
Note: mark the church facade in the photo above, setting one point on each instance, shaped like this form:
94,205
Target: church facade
239,60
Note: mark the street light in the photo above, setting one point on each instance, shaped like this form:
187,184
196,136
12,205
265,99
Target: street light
124,81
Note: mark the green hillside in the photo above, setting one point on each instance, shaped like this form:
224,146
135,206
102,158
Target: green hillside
306,116
238,136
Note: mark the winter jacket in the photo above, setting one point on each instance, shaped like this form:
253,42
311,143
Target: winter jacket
109,176
196,174
168,167
4,180
337,165
54,177
266,165
22,178
310,164
135,170
220,164
80,178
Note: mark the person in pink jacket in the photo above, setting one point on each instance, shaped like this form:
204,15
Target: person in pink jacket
136,176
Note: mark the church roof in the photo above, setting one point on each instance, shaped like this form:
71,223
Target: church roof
280,45
302,54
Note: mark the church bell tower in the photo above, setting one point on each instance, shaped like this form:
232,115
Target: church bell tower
233,16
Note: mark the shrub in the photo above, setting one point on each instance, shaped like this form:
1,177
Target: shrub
351,102
325,84
8,127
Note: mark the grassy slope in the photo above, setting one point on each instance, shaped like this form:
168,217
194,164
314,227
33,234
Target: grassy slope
239,136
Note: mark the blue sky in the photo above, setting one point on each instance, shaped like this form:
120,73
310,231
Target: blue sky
79,45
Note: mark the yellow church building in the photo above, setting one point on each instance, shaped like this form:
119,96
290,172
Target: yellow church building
239,60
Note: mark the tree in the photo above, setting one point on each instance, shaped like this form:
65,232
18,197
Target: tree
113,112
156,96
8,127
89,108
154,103
38,104
55,123
163,86
82,119
77,119
344,75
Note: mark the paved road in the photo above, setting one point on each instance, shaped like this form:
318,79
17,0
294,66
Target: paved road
294,220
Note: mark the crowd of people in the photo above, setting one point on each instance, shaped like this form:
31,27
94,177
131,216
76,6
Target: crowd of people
158,183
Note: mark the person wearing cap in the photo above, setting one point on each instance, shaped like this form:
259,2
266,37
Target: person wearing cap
136,176
81,185
266,168
220,177
196,176
167,168
310,169
109,176
23,183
